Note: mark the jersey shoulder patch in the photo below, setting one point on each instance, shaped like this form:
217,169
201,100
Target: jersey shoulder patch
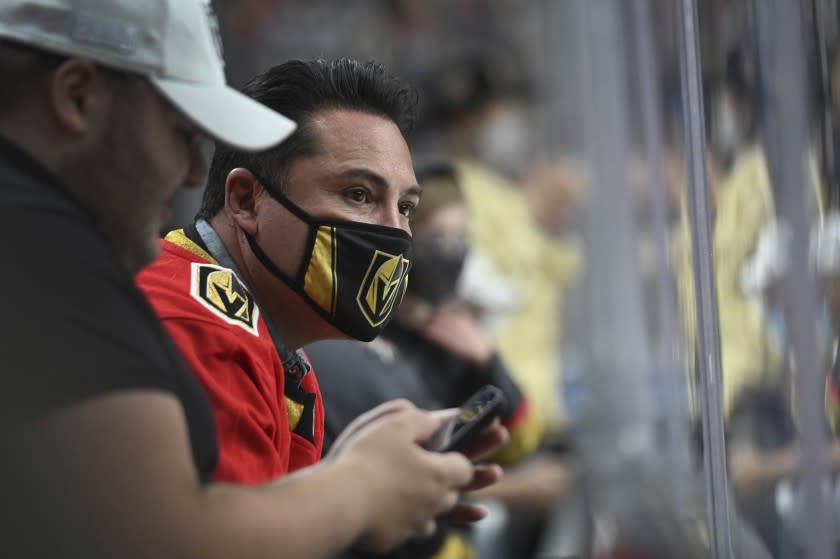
221,292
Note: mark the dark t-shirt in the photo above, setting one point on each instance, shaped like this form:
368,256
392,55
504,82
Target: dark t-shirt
75,326
355,376
359,376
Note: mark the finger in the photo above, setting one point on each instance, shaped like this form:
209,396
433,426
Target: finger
455,470
490,441
364,420
484,475
448,503
432,326
444,414
429,422
428,529
465,513
391,406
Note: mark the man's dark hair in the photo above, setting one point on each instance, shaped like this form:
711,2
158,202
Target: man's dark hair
298,90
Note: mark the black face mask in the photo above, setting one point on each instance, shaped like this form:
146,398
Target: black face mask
352,274
438,263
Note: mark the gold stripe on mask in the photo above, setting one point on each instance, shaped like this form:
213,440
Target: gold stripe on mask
321,283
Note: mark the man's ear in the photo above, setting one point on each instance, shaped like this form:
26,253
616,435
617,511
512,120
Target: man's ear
241,193
79,95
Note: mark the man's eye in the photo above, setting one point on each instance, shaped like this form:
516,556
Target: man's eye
407,209
358,195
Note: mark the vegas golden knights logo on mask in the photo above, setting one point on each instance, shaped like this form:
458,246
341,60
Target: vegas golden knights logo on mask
220,290
384,282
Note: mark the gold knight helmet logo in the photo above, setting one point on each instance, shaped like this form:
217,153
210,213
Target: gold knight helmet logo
220,290
384,281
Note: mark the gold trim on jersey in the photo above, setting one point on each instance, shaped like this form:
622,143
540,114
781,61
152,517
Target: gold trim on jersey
179,238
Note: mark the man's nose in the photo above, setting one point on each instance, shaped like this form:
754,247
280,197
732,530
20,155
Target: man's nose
393,218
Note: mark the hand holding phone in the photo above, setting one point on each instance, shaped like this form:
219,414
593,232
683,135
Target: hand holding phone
472,418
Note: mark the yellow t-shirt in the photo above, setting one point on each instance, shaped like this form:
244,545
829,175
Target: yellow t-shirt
504,228
745,205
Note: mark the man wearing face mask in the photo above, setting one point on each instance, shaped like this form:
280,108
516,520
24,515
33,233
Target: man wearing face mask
304,242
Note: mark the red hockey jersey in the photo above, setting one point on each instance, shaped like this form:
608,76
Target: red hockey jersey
268,424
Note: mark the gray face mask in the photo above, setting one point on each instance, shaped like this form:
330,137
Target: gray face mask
504,143
727,132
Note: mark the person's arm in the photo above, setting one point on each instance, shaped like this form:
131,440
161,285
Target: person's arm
126,458
750,467
456,331
537,484
518,416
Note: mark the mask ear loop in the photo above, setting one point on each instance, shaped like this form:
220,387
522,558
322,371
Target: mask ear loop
267,263
297,281
282,199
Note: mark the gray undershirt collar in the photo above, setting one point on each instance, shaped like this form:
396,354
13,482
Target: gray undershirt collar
294,363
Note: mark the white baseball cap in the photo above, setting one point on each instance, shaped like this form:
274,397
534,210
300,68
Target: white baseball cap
174,43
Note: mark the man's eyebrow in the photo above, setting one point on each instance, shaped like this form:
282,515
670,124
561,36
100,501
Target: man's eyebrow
377,181
415,190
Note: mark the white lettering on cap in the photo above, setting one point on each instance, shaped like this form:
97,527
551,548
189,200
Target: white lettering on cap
104,32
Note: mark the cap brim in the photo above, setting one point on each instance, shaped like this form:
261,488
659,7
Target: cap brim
227,115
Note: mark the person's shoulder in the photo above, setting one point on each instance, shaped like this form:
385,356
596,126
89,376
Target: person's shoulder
43,228
177,254
166,281
749,175
29,188
352,355
186,284
56,257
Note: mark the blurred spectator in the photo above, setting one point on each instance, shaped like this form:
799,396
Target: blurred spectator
754,347
743,205
555,190
479,104
108,442
732,115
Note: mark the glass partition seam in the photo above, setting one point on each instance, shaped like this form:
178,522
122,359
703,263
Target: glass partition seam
786,128
674,397
826,130
617,440
708,335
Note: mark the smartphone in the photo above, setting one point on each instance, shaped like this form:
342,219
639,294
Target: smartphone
472,418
